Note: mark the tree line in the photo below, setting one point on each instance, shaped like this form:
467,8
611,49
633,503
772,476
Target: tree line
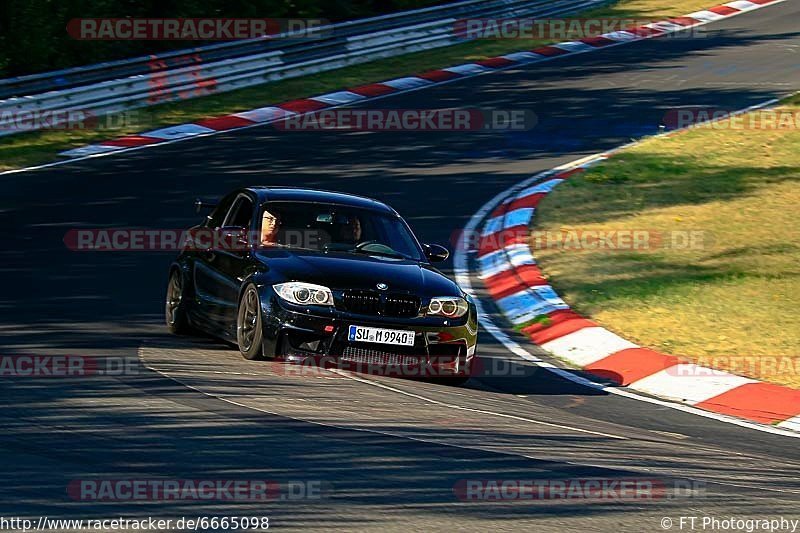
34,37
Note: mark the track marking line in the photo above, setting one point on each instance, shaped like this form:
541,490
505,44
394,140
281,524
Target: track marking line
350,428
473,410
451,445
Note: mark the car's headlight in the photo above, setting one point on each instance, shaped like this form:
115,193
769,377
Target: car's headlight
448,306
301,293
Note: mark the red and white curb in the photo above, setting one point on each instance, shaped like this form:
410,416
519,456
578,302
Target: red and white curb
513,280
352,95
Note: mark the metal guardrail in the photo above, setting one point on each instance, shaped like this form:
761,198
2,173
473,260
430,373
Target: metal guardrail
116,86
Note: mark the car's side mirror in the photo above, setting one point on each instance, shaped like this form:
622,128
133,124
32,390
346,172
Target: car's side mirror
233,238
203,205
435,253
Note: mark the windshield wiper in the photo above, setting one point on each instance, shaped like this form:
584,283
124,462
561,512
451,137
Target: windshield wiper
394,254
366,248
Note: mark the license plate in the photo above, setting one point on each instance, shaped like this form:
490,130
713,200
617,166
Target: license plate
381,336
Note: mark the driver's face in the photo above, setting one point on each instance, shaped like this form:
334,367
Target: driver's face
269,227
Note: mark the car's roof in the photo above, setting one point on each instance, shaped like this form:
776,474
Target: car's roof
298,194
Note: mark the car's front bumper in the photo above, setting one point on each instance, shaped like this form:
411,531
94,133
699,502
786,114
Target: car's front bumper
441,348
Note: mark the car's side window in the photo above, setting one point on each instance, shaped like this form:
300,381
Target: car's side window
217,217
241,213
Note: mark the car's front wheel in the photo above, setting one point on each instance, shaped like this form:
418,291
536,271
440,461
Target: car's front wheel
175,306
249,329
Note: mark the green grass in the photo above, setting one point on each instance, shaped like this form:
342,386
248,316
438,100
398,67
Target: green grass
731,302
40,147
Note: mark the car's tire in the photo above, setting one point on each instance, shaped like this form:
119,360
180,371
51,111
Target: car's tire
175,313
249,325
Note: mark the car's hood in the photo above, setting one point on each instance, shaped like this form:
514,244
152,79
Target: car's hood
350,271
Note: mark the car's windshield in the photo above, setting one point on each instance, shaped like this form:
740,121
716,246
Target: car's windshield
335,228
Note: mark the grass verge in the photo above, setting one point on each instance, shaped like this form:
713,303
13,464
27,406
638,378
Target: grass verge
731,299
40,147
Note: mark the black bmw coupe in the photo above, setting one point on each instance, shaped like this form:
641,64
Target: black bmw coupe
298,274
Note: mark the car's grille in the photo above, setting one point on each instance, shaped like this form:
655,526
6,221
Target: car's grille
374,303
373,356
362,302
401,305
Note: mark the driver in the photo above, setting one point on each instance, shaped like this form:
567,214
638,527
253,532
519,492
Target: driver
351,232
269,228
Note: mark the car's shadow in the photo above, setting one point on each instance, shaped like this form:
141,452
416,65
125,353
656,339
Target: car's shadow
497,373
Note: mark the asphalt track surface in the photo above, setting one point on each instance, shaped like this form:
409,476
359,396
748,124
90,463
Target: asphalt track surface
388,452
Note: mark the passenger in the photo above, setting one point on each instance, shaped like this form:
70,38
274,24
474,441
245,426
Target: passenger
351,232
